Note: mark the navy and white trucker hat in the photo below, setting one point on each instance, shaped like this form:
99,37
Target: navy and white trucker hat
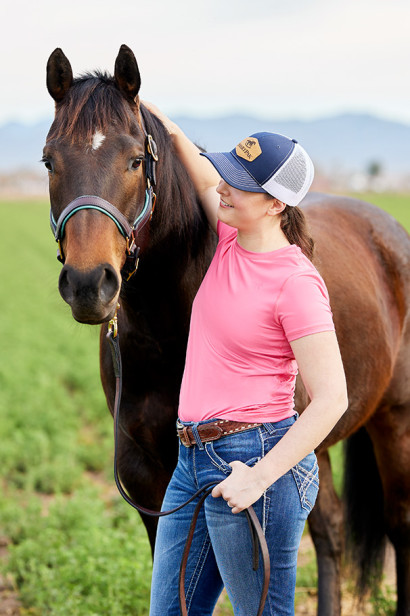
267,162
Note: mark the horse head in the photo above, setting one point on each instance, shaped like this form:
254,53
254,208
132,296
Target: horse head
101,166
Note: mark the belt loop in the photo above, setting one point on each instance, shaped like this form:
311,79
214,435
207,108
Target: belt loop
195,432
269,427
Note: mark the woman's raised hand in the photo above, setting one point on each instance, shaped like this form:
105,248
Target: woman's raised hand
169,125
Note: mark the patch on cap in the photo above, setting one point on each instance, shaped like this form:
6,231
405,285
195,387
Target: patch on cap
249,149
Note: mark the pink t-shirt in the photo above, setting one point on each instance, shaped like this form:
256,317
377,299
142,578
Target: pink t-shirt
239,363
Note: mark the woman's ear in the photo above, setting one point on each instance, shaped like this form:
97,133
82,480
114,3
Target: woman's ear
276,207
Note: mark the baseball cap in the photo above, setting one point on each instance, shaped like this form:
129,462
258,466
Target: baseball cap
267,162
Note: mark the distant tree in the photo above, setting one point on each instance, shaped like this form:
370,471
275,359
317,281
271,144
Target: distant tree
374,169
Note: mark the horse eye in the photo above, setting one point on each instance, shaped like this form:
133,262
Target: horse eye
136,163
47,163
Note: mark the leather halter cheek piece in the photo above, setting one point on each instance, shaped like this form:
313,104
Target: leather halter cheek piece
128,230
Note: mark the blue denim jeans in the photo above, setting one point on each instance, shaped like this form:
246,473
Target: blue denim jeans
221,551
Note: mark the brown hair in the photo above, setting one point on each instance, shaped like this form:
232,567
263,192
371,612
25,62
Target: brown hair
294,226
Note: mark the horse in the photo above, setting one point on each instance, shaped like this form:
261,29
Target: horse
101,143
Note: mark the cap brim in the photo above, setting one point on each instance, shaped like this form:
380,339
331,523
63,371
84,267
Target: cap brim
232,171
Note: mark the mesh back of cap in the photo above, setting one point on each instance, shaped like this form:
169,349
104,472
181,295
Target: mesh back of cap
293,173
292,181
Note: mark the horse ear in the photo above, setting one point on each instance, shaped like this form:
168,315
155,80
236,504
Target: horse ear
126,74
59,75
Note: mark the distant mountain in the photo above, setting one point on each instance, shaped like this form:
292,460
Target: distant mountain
348,142
21,146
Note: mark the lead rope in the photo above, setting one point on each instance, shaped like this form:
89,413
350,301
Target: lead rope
257,536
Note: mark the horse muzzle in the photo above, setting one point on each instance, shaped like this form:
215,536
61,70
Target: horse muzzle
92,294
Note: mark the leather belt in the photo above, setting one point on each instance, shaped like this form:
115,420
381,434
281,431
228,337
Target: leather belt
212,431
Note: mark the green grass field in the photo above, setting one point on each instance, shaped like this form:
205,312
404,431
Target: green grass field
75,547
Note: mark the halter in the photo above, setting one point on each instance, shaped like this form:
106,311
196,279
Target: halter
127,230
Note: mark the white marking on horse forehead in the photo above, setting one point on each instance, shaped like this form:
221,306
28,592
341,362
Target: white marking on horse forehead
98,139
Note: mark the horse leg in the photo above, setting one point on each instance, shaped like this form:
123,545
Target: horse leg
326,529
390,433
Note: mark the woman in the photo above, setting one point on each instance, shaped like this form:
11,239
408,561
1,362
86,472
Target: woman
261,314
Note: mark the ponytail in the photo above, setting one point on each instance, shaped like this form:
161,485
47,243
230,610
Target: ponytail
294,226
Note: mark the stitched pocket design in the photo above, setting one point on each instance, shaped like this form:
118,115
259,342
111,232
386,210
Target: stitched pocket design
306,476
222,464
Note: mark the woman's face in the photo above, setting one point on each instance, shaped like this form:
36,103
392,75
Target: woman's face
242,209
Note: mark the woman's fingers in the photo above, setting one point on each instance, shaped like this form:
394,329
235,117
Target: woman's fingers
238,490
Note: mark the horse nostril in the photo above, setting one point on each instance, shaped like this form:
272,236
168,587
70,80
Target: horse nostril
109,284
65,287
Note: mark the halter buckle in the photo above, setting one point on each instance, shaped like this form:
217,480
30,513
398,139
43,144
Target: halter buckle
152,147
60,254
130,247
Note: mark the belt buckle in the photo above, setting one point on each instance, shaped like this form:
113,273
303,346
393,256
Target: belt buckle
183,435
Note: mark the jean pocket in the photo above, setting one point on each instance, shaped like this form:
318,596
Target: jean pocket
306,476
219,461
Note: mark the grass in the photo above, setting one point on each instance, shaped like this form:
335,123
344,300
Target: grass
82,558
76,548
397,205
48,368
82,554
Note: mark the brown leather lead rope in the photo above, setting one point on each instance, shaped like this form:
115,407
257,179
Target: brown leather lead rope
256,528
257,536
258,539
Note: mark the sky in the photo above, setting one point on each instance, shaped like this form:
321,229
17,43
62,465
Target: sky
275,59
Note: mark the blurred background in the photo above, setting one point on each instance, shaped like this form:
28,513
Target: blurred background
333,74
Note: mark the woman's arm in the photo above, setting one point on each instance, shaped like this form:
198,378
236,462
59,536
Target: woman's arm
321,369
203,174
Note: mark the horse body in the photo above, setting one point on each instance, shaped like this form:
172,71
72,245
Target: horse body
364,257
95,146
366,268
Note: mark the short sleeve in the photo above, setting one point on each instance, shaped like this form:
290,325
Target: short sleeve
225,231
303,306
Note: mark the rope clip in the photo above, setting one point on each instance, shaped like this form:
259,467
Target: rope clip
113,324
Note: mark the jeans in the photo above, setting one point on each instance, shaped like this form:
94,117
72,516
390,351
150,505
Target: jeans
221,550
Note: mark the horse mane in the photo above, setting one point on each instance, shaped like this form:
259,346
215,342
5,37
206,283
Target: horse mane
95,103
178,205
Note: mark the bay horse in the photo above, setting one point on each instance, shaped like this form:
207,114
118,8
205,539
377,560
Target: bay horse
97,145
